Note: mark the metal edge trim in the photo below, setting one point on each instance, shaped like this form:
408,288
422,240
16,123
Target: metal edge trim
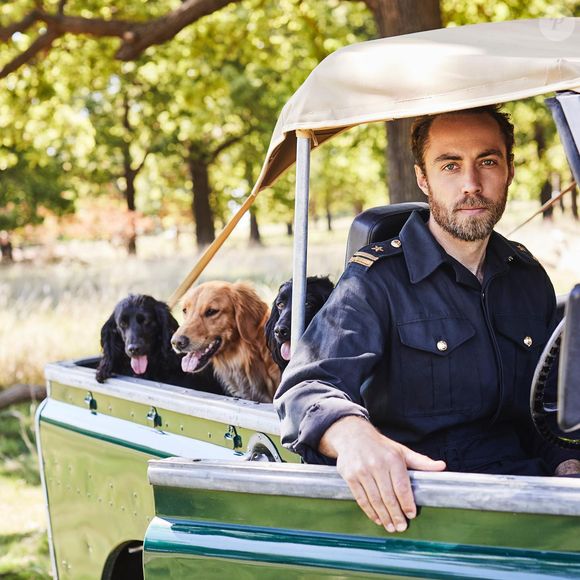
51,549
239,412
501,493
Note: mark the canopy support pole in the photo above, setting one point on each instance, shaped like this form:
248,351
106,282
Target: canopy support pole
300,235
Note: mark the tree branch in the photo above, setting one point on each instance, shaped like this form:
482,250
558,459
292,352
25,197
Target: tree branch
6,32
135,37
20,393
43,42
227,143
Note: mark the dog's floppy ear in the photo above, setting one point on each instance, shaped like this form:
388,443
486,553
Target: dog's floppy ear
269,328
167,326
113,349
250,311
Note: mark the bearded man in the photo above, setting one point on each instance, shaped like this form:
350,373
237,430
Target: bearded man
423,356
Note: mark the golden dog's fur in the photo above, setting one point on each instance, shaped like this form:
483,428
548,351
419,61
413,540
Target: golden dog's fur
226,321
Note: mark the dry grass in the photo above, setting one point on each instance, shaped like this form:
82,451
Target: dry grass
54,311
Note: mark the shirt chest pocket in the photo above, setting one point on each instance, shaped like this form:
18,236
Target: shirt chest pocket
438,367
520,340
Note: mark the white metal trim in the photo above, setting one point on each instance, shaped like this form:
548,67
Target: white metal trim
472,491
228,410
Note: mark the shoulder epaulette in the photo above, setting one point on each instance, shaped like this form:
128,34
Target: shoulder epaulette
370,254
523,252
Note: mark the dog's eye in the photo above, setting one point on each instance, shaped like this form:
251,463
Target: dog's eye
210,312
280,305
184,310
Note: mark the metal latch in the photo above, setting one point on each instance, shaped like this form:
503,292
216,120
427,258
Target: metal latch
232,435
91,402
262,448
155,417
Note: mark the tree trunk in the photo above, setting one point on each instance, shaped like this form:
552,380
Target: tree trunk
131,234
394,17
202,212
289,229
574,196
545,196
20,393
255,238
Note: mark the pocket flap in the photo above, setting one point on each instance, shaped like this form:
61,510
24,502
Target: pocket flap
528,332
436,335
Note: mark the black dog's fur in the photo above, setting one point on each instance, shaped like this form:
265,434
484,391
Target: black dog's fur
141,325
278,327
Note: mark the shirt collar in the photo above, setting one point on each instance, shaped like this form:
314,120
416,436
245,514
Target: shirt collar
424,255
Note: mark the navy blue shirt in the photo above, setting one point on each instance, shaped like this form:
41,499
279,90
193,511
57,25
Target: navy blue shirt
412,341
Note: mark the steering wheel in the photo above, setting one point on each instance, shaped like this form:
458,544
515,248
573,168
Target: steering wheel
544,413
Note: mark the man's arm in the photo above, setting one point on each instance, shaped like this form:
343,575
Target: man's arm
336,355
375,469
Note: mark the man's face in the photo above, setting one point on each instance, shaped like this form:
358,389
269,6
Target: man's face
467,174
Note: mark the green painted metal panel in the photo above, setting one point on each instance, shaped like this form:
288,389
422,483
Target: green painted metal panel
95,469
182,424
261,536
99,498
182,548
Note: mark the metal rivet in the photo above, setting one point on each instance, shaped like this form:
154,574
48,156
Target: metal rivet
510,258
528,341
441,345
396,243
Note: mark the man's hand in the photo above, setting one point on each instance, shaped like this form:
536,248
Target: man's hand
375,469
568,467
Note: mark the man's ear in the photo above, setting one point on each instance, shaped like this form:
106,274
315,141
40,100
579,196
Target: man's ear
421,180
511,170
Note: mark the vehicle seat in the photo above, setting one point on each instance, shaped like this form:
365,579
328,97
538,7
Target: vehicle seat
380,223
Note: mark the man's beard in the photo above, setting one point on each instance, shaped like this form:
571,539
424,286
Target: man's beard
469,228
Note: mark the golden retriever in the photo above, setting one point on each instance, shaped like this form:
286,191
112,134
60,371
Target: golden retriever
224,323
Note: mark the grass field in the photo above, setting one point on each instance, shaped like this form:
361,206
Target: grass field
53,311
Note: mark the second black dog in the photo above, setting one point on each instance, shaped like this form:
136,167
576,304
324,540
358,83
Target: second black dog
136,341
278,327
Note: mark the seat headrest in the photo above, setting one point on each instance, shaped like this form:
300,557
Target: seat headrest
379,224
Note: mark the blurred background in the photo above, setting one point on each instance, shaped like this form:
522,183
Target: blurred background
128,139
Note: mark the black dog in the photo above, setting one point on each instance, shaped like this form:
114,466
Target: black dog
278,327
136,341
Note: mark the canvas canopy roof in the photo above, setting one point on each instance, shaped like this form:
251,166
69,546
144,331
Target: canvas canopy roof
427,72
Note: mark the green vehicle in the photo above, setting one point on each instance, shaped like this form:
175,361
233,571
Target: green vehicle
144,479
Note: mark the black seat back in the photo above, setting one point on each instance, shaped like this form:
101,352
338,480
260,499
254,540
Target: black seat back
380,223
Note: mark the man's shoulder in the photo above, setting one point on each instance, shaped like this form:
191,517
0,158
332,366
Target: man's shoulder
523,253
368,256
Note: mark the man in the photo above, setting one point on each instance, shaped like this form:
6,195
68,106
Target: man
423,356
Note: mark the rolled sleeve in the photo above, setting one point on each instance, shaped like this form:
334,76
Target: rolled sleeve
332,361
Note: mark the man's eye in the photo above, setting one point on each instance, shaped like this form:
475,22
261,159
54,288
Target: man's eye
489,162
210,312
280,305
450,167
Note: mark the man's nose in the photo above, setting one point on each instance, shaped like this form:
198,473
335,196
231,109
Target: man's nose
471,181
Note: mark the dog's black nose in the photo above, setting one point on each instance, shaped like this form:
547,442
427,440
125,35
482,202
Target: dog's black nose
132,349
282,332
180,342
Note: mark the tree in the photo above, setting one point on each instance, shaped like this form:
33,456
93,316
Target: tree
392,17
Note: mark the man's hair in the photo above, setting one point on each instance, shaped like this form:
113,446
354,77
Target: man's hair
422,125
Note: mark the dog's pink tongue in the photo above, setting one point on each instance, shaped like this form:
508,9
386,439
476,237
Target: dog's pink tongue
285,350
139,364
189,362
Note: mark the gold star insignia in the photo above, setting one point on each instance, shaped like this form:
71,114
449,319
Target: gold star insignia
377,249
